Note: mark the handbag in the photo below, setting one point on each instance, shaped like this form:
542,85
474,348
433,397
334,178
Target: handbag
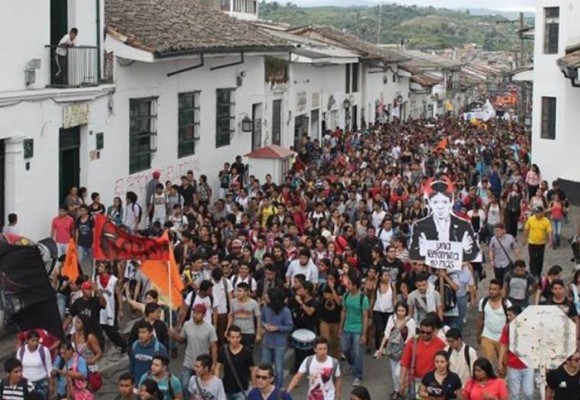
235,373
95,381
511,263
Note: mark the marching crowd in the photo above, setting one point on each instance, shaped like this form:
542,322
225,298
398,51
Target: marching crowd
322,264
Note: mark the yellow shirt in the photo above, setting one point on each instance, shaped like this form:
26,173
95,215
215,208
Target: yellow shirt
539,229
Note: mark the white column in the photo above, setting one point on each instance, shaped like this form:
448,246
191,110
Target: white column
14,179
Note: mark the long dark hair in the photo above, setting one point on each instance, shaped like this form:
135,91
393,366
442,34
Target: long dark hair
484,364
276,300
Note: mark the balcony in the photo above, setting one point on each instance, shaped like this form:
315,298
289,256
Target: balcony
78,67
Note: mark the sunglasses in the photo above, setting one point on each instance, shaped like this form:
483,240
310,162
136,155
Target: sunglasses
262,377
423,332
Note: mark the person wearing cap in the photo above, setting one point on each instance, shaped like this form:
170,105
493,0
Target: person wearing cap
537,233
443,226
201,338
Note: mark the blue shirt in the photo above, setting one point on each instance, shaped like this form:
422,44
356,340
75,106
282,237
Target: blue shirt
142,356
284,323
163,385
61,380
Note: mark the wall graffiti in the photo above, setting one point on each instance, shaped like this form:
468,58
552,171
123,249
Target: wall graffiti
138,182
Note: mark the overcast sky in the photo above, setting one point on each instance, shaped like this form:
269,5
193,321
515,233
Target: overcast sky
511,5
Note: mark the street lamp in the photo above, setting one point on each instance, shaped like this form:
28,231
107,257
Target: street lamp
247,124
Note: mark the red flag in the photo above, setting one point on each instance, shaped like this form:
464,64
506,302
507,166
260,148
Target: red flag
164,276
70,267
112,243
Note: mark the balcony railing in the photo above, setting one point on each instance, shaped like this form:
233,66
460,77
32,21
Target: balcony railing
74,67
245,6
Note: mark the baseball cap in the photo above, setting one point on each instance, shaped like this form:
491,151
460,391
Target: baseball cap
86,285
156,174
538,209
200,308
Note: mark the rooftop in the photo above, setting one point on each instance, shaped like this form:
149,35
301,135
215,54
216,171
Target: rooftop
175,27
271,152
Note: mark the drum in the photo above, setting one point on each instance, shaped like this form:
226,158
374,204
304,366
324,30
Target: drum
302,339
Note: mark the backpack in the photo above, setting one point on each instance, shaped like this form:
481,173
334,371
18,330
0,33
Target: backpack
40,351
465,355
235,282
397,340
449,297
362,296
170,390
334,365
503,305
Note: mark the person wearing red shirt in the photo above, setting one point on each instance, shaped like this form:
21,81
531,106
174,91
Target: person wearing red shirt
520,377
425,347
62,230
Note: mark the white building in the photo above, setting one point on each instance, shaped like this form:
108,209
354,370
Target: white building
48,125
556,98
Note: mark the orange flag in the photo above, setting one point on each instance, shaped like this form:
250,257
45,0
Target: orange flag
442,145
71,262
164,276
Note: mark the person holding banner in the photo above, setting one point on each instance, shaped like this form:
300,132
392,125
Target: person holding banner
443,227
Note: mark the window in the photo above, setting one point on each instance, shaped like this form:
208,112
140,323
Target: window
347,89
548,118
188,123
355,68
277,122
225,117
551,29
143,126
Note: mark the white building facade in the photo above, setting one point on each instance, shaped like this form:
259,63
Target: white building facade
556,100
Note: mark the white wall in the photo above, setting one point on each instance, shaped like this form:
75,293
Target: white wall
550,82
26,30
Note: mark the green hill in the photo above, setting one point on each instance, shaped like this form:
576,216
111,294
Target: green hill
419,27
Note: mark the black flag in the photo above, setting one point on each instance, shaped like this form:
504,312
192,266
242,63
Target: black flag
27,299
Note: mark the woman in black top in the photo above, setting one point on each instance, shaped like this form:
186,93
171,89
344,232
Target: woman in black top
440,384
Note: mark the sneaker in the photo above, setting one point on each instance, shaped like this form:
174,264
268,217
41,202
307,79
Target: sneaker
356,382
348,369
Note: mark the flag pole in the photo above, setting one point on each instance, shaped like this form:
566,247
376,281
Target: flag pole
170,292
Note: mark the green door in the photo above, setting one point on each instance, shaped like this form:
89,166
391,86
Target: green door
69,160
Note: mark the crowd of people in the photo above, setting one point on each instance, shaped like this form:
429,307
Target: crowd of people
323,264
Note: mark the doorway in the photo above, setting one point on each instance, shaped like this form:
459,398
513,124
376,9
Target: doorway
69,160
354,118
300,128
314,118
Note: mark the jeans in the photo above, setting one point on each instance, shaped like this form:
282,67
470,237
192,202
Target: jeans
186,374
520,381
62,248
275,356
248,340
556,231
536,252
462,302
353,351
41,387
395,373
236,396
61,303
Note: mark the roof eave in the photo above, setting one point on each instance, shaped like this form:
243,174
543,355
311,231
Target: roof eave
224,50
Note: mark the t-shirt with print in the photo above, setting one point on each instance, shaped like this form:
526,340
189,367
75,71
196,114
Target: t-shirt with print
354,312
518,288
211,390
321,382
564,385
444,390
244,314
420,304
85,229
566,305
329,309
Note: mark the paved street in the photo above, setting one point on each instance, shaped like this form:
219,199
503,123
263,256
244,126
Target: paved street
376,372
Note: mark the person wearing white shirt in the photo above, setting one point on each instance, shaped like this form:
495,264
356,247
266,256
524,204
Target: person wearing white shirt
323,371
61,53
461,355
302,265
36,362
11,227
